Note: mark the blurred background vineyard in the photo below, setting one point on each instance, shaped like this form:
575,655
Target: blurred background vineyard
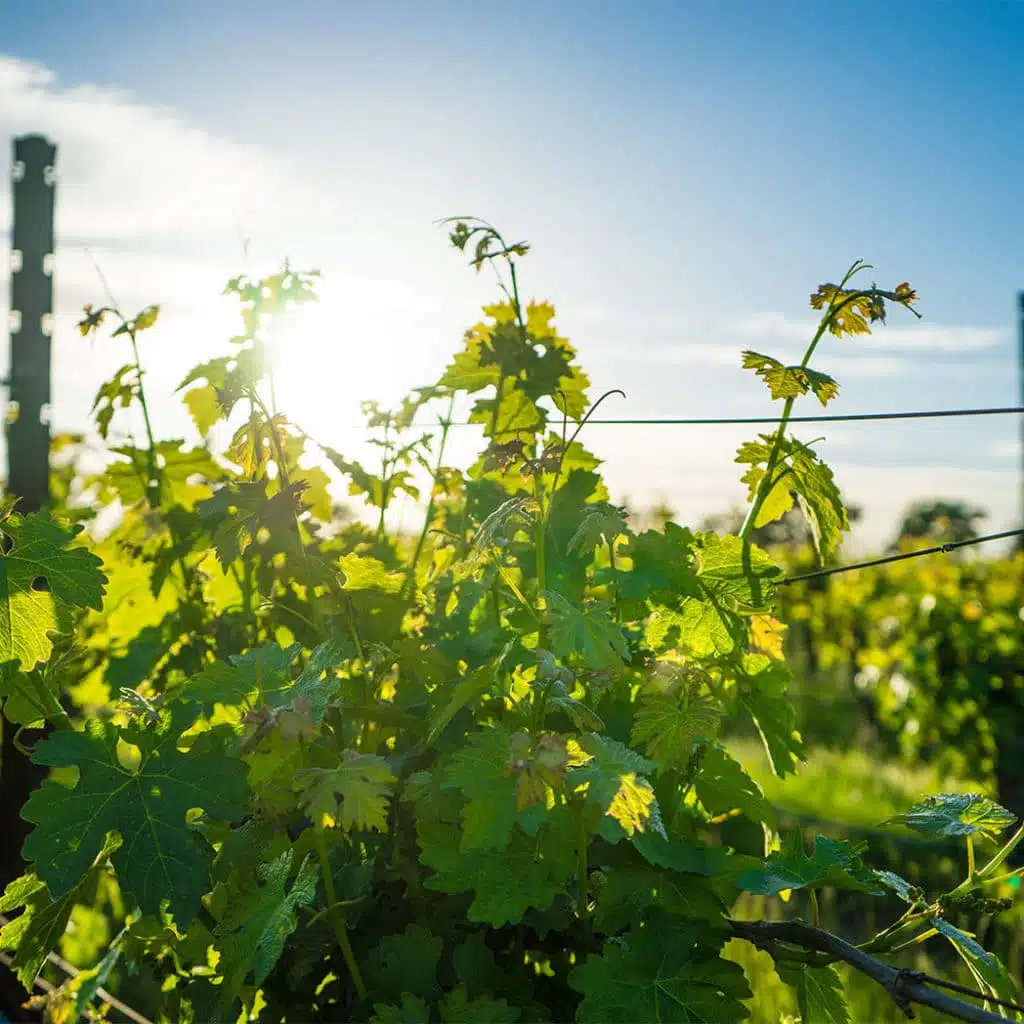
908,679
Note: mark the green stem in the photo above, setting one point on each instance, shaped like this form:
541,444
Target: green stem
154,475
765,484
916,940
815,911
970,858
446,424
336,914
582,871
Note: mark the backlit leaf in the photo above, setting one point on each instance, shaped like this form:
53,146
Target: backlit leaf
160,856
956,814
354,795
41,579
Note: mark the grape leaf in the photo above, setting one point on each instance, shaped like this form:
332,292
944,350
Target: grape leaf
907,892
790,381
727,588
364,573
798,469
819,993
354,795
602,523
988,970
855,315
481,769
41,580
667,725
252,934
505,883
613,781
669,971
406,963
832,863
722,785
37,930
956,814
626,894
412,1011
239,510
458,1008
763,694
160,856
256,677
662,565
590,633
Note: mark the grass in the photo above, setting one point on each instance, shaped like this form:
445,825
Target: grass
849,787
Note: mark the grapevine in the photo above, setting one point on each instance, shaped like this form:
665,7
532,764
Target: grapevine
311,769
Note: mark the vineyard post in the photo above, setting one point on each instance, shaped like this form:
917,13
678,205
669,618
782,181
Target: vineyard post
1020,306
32,244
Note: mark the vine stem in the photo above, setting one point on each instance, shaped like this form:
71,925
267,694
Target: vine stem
446,425
335,911
583,909
336,914
767,483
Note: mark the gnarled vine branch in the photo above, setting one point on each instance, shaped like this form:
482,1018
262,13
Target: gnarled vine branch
904,986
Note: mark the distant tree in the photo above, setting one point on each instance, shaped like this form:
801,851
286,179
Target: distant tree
940,522
653,518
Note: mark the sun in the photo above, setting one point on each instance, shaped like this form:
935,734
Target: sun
321,371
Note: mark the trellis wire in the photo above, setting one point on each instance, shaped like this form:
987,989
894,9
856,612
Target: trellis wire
939,549
746,421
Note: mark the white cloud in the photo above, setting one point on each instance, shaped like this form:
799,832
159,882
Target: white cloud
775,326
127,170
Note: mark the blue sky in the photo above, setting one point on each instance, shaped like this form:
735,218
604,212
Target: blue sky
687,173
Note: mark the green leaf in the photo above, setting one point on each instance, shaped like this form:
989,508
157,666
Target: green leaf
798,469
662,565
406,963
819,993
412,1011
239,510
987,969
668,971
355,794
956,814
37,930
666,725
671,852
832,862
458,1008
612,779
41,580
790,381
160,856
119,391
364,573
626,894
602,523
204,407
906,892
763,694
256,677
505,883
722,785
481,770
727,589
589,633
252,934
